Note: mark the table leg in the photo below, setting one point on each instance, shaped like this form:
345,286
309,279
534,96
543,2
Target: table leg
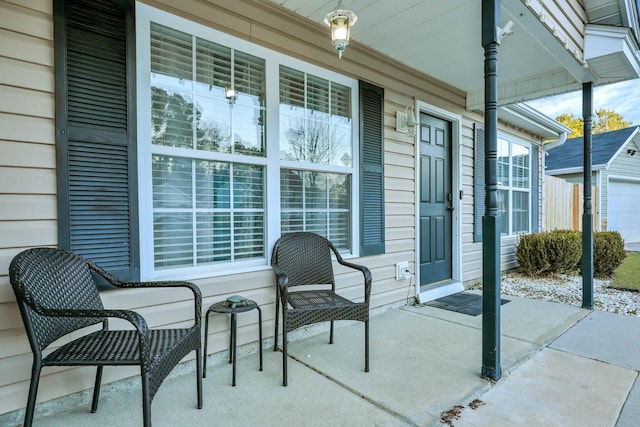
232,348
231,338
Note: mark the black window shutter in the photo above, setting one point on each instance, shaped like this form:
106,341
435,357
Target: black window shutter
95,132
478,182
371,169
535,189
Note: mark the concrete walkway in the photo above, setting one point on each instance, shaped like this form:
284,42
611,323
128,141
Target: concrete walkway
562,366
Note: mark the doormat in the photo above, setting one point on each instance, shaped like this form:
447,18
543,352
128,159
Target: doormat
461,302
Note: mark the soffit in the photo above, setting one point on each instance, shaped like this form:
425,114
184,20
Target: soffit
442,40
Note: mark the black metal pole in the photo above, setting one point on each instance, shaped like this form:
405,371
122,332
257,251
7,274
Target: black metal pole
587,214
491,368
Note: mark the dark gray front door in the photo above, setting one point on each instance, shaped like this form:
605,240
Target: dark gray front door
436,200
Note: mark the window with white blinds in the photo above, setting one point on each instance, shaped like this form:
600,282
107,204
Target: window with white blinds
514,187
224,178
189,109
315,120
318,202
315,132
208,208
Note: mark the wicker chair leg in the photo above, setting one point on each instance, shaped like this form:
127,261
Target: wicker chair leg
366,345
331,333
275,334
33,390
284,357
146,400
96,390
199,377
206,338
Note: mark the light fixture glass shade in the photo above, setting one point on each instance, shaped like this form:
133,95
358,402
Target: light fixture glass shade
340,21
412,124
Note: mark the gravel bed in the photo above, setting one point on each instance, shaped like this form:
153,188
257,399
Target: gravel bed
568,290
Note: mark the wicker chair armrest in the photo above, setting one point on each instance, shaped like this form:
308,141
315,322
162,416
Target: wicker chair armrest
365,272
130,316
282,280
197,294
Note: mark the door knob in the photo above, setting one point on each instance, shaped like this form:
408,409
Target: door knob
450,207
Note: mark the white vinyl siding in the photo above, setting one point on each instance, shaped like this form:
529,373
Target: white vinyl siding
27,177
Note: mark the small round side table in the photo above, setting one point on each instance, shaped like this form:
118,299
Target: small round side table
222,307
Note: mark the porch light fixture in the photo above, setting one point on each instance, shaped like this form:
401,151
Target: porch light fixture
340,21
406,121
231,94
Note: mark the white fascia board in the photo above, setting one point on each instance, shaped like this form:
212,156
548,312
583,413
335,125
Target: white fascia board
623,147
606,42
530,119
529,88
636,141
629,14
578,169
565,171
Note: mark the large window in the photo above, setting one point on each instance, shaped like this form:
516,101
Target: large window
514,187
226,175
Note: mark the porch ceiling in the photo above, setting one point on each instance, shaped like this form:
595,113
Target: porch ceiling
442,39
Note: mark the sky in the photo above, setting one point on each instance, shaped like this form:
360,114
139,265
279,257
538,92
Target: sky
623,98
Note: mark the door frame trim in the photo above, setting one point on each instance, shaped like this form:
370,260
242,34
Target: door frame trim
456,225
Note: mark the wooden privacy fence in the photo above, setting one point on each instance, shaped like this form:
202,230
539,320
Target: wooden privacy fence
563,204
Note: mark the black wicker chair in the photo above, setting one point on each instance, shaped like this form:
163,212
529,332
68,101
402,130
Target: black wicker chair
57,294
304,258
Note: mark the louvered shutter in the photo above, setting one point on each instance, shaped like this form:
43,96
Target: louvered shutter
95,132
371,169
478,182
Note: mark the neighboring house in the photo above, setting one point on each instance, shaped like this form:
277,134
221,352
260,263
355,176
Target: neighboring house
117,142
616,174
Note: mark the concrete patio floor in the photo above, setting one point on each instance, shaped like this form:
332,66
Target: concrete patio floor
562,366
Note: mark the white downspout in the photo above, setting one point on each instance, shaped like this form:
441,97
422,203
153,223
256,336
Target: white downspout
561,140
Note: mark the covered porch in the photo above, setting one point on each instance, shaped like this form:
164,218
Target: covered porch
427,55
553,376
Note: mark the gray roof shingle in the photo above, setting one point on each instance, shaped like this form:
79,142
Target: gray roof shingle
604,146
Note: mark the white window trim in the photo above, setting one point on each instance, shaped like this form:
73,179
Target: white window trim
512,140
144,16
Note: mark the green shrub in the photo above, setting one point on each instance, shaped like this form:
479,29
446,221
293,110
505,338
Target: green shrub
608,253
557,251
560,251
532,255
565,250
